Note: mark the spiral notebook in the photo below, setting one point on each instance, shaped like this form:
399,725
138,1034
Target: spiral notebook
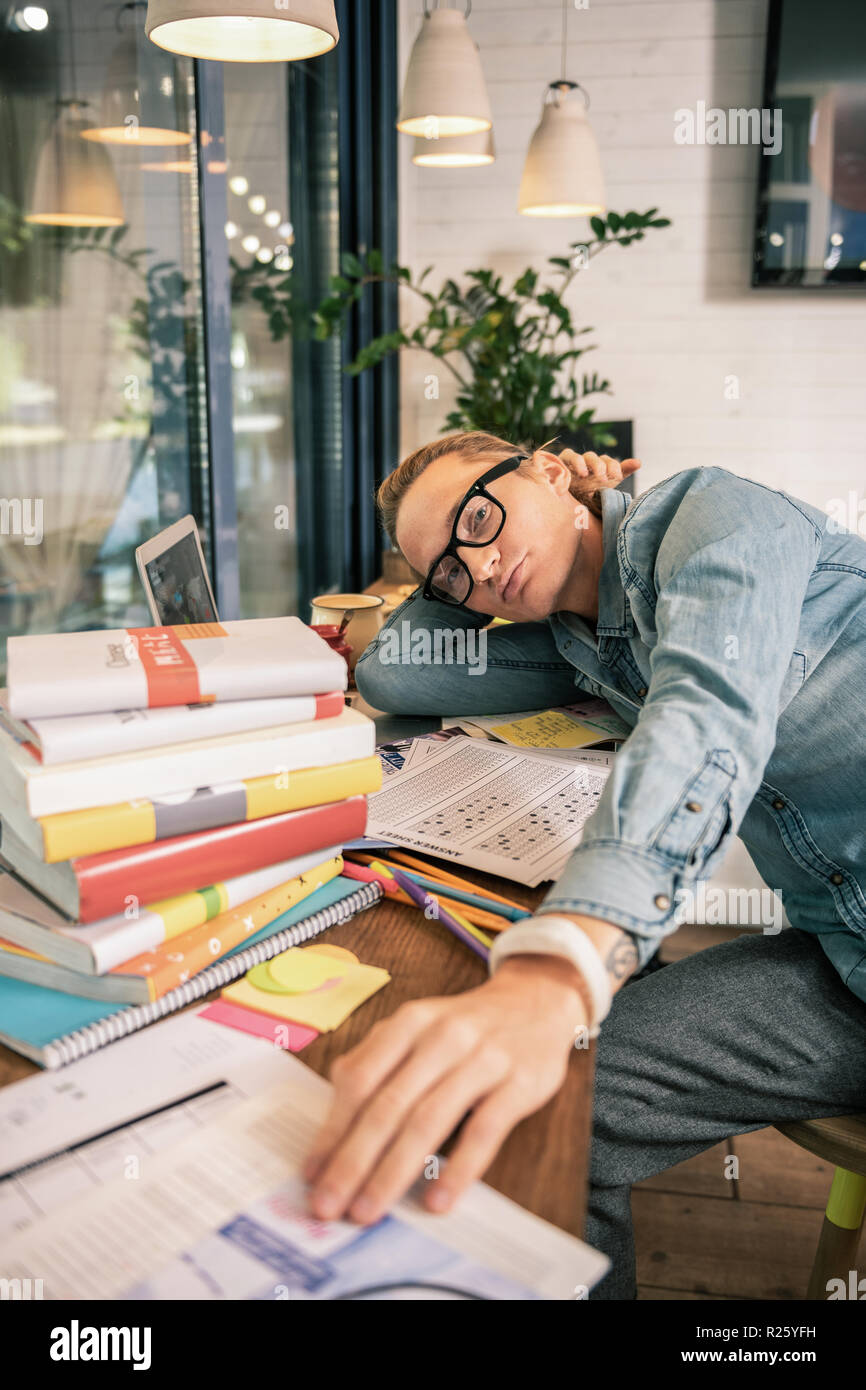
54,1029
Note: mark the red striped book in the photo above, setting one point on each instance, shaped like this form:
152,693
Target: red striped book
100,885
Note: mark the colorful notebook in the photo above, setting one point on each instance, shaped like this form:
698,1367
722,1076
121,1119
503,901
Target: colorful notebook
54,1029
151,974
97,947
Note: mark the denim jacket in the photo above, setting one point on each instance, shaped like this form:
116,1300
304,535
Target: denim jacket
731,637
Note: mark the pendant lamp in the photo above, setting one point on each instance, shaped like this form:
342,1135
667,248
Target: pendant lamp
444,93
455,151
243,31
562,176
75,184
120,117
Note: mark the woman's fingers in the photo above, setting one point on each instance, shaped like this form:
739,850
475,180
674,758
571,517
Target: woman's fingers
480,1140
435,1115
603,466
363,1125
358,1073
575,461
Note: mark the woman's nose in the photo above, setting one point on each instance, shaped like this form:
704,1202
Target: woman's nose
482,561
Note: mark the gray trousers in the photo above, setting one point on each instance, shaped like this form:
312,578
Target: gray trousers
735,1038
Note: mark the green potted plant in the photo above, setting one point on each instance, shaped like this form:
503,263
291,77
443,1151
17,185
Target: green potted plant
514,352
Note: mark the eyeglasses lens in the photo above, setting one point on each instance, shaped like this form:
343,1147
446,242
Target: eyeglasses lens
477,525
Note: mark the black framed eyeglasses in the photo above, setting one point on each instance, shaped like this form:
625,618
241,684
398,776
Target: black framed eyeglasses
478,521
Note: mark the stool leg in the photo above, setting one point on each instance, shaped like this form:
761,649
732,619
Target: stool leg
836,1255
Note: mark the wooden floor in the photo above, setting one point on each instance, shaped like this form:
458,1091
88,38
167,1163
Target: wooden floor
702,1235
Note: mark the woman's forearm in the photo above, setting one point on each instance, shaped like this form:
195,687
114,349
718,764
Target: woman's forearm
430,658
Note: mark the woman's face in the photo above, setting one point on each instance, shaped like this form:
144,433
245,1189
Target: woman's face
521,574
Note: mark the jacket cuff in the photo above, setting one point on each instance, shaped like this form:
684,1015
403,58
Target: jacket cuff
628,885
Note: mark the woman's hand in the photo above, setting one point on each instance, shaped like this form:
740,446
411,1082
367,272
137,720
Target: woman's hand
600,466
500,1051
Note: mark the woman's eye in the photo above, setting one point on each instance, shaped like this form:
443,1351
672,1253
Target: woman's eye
480,515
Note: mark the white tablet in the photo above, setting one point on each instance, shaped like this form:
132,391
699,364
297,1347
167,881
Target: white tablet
174,576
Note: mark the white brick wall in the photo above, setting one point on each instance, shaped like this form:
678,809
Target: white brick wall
674,315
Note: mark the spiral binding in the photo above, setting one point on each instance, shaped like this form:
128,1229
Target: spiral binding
108,1030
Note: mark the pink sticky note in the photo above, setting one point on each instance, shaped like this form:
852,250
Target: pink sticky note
291,1036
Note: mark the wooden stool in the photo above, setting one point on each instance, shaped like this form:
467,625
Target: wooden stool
842,1142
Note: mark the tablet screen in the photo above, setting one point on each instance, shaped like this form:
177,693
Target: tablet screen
178,585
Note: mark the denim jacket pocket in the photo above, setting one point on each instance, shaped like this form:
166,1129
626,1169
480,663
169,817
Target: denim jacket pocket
697,828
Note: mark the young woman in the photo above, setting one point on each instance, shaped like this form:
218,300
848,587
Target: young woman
726,622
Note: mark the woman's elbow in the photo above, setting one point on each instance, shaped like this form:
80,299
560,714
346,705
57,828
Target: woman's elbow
394,689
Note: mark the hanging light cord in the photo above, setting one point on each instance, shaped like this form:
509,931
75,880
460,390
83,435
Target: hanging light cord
74,99
564,35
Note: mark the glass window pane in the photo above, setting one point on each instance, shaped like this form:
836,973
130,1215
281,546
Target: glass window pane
261,245
101,368
283,229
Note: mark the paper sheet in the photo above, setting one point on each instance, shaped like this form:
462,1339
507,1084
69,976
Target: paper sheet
221,1215
490,807
64,1132
567,726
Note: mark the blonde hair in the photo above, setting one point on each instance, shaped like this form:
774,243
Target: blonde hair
473,445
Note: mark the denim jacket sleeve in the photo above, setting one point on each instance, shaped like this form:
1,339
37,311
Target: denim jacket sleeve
434,658
729,581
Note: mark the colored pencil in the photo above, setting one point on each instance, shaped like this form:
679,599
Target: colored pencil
485,905
476,931
364,874
434,871
442,915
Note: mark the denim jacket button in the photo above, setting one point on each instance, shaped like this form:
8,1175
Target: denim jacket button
779,805
662,901
694,806
836,878
642,690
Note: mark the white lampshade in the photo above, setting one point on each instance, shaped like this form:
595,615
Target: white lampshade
444,93
243,31
121,101
562,175
455,151
75,183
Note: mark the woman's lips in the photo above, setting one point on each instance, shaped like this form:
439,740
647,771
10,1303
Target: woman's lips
515,580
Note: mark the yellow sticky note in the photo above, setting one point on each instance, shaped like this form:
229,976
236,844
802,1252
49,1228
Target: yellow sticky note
338,952
298,970
549,730
324,1010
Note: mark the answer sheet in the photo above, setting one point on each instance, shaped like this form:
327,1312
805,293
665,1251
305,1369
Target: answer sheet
490,807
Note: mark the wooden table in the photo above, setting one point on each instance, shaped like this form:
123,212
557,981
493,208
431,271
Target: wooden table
543,1163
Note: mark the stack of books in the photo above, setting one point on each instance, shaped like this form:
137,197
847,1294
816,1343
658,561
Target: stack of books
167,795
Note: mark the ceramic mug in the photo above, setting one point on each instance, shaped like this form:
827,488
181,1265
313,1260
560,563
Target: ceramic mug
364,612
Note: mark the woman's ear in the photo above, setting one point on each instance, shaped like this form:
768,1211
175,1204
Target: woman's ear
550,468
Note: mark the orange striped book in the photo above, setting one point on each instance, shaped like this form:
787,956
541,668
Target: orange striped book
153,973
